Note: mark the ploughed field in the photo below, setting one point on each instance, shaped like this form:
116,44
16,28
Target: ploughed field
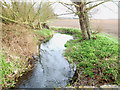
109,26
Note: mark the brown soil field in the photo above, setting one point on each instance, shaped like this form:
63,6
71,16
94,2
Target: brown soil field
109,26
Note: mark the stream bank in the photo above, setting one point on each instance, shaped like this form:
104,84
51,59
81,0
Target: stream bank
19,45
96,59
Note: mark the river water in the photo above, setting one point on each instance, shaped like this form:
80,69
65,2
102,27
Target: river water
52,69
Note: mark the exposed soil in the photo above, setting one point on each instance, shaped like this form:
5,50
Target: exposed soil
108,26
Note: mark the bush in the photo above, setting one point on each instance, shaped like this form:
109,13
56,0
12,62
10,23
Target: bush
27,12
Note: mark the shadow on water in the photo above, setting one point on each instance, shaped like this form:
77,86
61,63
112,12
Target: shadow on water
52,70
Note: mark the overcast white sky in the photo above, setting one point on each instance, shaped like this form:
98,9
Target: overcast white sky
108,10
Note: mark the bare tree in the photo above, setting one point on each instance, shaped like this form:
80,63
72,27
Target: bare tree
82,9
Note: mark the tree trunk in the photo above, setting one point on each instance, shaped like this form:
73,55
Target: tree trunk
82,20
82,26
87,25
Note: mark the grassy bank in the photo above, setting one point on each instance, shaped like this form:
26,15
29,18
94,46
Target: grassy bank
76,33
19,44
96,59
20,19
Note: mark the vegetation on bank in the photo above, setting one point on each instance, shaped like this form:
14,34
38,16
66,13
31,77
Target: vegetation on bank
18,46
23,28
75,32
96,59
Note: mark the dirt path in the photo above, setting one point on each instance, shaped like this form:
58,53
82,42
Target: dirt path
105,26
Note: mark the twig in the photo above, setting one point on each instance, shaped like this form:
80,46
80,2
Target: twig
64,14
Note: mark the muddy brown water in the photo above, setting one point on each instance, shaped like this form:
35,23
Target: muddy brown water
52,69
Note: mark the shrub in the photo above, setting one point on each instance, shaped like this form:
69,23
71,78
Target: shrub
30,13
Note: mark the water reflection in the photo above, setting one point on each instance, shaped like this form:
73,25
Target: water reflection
52,69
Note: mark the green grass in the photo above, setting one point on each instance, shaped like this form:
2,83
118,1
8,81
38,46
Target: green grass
70,31
97,57
11,70
5,70
2,70
44,33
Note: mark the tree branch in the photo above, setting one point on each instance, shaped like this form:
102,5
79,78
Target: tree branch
91,2
13,21
64,14
88,9
68,8
69,4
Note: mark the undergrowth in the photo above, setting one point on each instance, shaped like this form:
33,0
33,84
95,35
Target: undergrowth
18,46
11,70
42,34
71,31
19,42
96,59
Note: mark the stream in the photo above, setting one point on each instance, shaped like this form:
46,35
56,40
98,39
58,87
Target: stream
52,69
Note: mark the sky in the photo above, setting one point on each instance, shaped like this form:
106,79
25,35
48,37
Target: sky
108,10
